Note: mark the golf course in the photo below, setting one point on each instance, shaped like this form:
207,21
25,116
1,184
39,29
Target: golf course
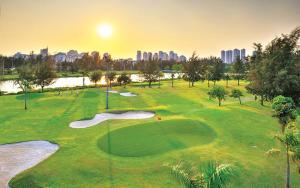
186,125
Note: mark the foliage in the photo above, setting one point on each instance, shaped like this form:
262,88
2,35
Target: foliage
194,69
236,93
111,76
124,78
238,69
212,175
44,74
218,92
215,69
96,76
285,110
150,70
275,70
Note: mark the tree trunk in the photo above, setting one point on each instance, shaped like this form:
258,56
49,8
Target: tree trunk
208,83
287,168
42,88
83,79
226,82
172,81
238,81
193,83
262,100
214,82
240,100
219,102
25,98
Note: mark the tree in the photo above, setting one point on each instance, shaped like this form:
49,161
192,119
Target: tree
275,70
238,69
236,93
176,69
212,175
111,77
25,80
215,69
218,92
44,74
160,75
124,79
285,110
95,77
194,70
150,70
256,75
227,78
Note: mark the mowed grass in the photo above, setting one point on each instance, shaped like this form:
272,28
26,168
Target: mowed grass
156,137
193,128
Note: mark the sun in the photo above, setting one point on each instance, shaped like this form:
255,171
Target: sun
105,31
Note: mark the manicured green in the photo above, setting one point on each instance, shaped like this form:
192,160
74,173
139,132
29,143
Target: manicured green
156,137
233,133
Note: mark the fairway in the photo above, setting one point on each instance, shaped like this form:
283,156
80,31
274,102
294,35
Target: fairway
156,138
192,128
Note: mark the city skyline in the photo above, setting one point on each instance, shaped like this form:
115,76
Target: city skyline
26,26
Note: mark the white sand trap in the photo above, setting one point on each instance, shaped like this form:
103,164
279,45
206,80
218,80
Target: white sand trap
112,91
15,158
106,116
128,94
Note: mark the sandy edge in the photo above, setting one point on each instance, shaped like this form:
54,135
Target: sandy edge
106,116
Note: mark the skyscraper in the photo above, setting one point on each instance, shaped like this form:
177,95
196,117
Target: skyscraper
139,56
149,56
229,56
171,55
223,56
155,56
243,53
236,55
160,55
145,56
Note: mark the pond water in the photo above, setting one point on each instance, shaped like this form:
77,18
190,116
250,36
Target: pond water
10,87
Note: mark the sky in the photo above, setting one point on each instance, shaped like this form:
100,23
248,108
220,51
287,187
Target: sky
185,26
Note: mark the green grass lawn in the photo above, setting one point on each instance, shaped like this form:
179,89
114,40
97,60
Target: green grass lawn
192,128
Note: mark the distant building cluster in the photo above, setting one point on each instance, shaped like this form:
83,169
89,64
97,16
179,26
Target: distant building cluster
59,57
163,56
230,56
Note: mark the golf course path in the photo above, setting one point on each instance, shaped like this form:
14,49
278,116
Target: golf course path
15,158
128,94
106,116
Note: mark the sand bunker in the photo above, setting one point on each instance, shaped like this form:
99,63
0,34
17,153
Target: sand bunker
112,91
15,158
106,116
128,94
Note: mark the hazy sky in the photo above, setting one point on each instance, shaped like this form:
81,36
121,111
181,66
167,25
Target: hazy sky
204,26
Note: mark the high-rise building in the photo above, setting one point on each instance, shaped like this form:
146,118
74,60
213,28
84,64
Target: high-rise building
182,58
145,56
171,55
138,56
155,56
223,56
149,56
229,56
44,52
72,55
236,55
60,57
160,55
243,53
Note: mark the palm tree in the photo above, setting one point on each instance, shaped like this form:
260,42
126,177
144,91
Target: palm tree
213,175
